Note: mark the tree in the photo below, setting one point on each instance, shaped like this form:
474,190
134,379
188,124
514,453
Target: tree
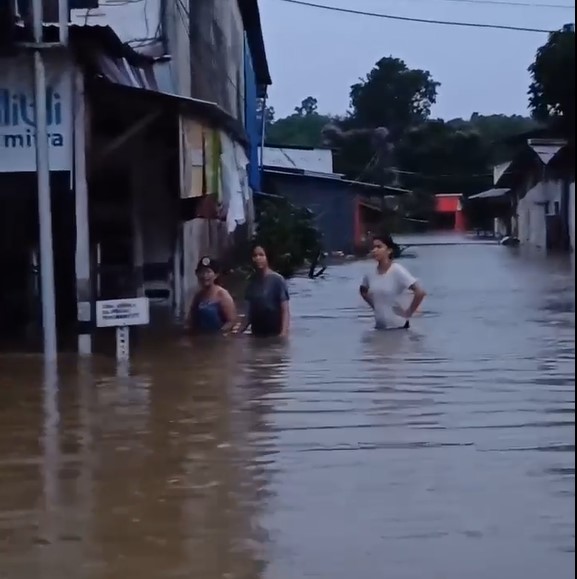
269,113
439,157
308,107
301,129
552,90
393,96
289,234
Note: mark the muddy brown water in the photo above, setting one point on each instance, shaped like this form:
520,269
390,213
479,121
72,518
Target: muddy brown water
440,453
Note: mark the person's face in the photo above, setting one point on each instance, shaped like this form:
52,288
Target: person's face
259,258
381,252
206,277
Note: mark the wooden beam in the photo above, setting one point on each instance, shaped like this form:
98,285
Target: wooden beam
124,138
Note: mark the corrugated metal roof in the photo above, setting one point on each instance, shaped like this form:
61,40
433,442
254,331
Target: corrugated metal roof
308,159
204,110
333,177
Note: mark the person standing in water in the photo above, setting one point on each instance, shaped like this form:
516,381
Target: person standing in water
212,310
383,288
267,297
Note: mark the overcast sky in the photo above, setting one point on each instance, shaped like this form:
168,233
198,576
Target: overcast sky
320,53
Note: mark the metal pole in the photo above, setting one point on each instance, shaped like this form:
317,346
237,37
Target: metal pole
51,451
123,343
83,265
44,201
263,129
63,20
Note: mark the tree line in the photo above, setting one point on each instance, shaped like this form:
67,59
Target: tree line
389,137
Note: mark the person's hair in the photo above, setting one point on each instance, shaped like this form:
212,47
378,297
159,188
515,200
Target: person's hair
386,238
270,255
257,245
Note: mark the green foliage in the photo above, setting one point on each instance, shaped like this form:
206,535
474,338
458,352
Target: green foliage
552,90
288,234
301,129
427,156
392,96
440,158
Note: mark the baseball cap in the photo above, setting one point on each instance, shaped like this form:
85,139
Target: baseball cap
207,263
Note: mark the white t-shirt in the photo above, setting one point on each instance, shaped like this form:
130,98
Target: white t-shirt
386,291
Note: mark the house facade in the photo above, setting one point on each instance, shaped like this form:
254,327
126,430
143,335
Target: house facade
346,212
539,182
153,138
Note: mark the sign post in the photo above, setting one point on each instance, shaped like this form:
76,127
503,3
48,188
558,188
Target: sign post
122,314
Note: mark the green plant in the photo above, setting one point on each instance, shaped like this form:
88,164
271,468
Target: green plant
288,233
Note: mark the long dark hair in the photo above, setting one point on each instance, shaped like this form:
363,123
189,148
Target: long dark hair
386,238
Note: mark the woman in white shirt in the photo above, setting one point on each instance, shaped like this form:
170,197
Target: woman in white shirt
384,287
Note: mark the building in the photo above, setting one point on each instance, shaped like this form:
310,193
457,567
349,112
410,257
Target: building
536,191
154,136
492,211
346,211
448,215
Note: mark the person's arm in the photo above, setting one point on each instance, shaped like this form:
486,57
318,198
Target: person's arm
245,324
407,281
189,323
284,308
419,295
228,310
364,291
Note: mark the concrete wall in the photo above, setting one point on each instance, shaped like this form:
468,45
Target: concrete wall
532,210
177,32
333,205
217,43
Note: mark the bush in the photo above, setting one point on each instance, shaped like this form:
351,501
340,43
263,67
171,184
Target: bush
288,234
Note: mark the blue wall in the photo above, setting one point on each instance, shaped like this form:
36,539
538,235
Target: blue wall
332,203
252,124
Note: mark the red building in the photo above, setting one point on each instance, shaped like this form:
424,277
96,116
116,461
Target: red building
449,212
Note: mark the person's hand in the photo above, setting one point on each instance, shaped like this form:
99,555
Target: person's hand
238,329
402,312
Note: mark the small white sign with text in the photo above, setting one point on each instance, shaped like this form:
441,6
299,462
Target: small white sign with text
122,313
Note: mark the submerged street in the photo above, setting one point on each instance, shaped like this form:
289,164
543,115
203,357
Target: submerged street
441,453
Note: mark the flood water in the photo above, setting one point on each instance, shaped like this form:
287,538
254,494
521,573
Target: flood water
446,452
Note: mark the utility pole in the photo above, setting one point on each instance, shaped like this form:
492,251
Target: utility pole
43,180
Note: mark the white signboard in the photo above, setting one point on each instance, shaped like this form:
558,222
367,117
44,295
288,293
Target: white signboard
17,118
122,313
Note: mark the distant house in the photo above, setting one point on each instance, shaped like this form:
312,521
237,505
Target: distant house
346,211
492,210
538,184
449,212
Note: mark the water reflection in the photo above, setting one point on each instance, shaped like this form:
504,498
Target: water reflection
445,451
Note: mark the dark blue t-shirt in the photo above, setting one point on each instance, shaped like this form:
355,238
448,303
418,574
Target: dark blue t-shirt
265,296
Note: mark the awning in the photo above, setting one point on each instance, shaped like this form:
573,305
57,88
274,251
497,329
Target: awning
491,194
205,111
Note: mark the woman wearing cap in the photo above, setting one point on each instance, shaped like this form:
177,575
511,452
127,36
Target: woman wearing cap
383,288
212,310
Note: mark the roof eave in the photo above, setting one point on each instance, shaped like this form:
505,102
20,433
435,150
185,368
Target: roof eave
253,27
